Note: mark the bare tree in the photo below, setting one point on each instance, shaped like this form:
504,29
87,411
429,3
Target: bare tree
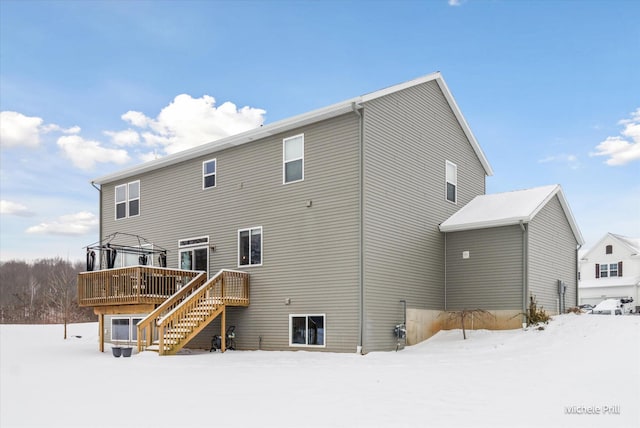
62,291
464,314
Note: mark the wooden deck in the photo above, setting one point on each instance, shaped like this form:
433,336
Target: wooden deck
130,286
180,303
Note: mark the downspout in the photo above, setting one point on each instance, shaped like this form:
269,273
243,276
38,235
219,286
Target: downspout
577,266
356,109
445,271
525,286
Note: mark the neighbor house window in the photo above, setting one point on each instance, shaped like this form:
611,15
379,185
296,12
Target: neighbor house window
128,200
307,330
610,270
209,174
452,182
293,154
608,249
604,270
124,329
250,247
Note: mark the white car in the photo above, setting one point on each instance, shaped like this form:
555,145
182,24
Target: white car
612,307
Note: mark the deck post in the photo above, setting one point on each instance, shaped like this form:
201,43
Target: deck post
101,332
223,327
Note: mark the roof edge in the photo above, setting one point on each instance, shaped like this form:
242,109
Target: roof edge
298,121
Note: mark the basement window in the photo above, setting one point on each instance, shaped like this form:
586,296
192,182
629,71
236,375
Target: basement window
307,330
124,329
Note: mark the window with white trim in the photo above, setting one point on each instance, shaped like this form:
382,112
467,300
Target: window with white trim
608,270
293,155
209,173
451,188
193,253
250,247
127,200
124,329
307,330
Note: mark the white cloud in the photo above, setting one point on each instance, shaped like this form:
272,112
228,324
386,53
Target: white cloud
80,223
455,2
624,148
52,127
85,153
128,137
189,122
570,160
17,129
14,208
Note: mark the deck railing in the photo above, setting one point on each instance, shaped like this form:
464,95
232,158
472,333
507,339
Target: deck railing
199,299
130,285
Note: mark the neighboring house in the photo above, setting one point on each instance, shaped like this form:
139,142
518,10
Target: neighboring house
333,218
505,247
611,270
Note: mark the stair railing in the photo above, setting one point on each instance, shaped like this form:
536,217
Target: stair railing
147,327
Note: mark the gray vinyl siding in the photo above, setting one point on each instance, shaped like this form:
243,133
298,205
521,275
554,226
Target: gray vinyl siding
491,278
310,254
552,256
408,136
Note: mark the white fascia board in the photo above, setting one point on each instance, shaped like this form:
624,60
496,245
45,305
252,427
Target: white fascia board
484,224
298,121
235,140
570,218
437,76
465,126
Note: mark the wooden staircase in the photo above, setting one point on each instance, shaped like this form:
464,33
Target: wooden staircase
181,317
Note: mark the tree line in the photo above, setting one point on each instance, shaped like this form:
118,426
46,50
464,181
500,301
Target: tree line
44,291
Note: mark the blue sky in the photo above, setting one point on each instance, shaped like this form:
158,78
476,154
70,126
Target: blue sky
550,89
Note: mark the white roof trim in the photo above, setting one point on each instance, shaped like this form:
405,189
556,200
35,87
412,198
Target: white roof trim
296,122
457,221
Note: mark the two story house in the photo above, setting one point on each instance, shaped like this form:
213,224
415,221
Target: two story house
611,270
321,231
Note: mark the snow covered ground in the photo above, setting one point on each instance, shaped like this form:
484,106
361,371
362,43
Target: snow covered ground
588,363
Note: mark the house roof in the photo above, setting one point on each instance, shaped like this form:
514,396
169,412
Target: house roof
296,122
632,244
508,208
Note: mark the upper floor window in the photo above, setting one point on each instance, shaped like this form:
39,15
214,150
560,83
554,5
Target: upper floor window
209,173
451,182
293,155
250,247
608,270
128,200
608,249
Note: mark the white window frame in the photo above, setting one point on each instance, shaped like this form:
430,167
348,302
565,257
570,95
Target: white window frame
613,267
307,316
127,201
132,326
214,174
451,180
285,161
604,270
204,244
250,230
